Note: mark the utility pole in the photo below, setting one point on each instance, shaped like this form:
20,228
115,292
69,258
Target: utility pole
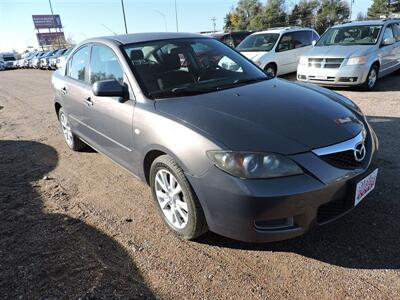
176,17
214,19
123,13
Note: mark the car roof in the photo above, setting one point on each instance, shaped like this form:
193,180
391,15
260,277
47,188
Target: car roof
282,30
367,23
144,37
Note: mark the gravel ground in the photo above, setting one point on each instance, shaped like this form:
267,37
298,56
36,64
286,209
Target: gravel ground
74,225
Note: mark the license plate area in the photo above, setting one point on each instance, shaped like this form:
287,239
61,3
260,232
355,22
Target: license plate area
365,186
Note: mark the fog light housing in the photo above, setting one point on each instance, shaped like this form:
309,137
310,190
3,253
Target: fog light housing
275,224
301,77
348,79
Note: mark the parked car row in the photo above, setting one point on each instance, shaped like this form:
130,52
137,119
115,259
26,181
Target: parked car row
46,60
351,54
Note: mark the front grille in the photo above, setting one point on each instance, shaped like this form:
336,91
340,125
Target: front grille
342,160
331,210
345,159
328,79
325,63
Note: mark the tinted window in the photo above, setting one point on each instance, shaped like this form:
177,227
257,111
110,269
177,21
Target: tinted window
104,65
286,43
315,36
302,38
77,64
227,39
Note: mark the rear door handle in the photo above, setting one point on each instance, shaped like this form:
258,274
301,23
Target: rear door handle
64,90
89,101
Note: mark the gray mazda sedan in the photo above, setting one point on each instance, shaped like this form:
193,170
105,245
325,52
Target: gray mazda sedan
223,147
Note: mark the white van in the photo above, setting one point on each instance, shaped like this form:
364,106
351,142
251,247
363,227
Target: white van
277,51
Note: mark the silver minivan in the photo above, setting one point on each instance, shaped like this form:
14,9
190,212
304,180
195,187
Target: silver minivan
353,54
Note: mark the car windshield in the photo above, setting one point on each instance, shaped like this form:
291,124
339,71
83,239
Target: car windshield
179,67
350,35
8,57
258,42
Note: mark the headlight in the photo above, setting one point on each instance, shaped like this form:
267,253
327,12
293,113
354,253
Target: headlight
360,60
254,165
303,60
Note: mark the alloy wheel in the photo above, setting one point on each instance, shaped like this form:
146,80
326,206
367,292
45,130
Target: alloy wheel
171,199
66,129
372,78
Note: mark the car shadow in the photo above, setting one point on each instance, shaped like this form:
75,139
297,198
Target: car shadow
51,255
367,237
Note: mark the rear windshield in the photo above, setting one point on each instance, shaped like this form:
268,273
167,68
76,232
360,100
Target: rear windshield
259,42
351,35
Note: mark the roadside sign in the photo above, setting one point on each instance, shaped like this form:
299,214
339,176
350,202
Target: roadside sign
50,38
46,21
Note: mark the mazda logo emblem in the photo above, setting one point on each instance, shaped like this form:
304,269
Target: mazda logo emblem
360,151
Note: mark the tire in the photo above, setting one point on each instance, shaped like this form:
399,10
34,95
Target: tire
270,70
72,141
372,79
195,224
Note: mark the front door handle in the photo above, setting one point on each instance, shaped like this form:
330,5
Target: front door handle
64,90
89,101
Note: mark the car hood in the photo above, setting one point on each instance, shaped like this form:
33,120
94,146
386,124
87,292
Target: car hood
253,55
339,51
271,116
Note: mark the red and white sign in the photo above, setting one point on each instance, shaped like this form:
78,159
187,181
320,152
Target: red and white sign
365,186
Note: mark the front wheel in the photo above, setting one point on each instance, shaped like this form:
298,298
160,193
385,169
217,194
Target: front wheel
270,70
372,78
175,199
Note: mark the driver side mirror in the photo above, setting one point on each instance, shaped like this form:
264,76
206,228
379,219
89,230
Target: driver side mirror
313,42
110,88
388,41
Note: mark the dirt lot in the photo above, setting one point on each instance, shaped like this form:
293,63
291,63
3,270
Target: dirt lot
74,225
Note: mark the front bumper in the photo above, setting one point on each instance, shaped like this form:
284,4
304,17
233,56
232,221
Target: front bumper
269,210
343,76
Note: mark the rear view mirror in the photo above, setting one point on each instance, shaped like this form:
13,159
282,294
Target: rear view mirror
388,41
109,88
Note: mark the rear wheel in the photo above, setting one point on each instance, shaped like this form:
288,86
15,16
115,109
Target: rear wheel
372,78
271,70
175,199
72,141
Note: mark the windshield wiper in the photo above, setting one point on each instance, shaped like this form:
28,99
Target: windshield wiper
179,91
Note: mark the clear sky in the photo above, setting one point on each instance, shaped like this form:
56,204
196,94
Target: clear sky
85,18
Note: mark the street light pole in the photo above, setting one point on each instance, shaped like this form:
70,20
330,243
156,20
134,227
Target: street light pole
176,17
54,24
123,12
